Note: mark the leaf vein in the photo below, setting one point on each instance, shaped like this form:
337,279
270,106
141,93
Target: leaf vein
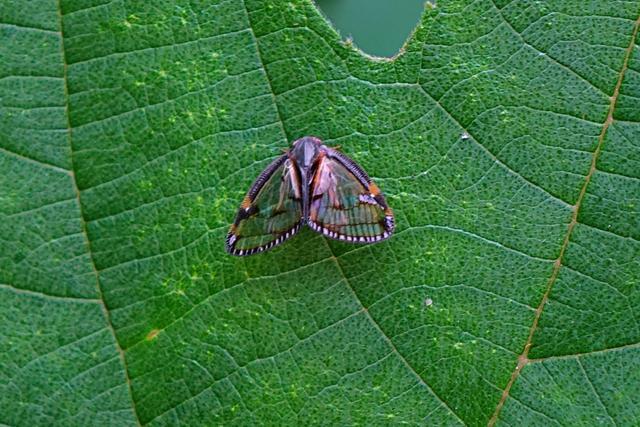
36,162
594,391
492,156
547,55
39,294
630,346
159,47
523,358
390,343
105,310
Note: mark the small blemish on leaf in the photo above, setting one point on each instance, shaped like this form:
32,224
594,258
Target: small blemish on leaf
152,334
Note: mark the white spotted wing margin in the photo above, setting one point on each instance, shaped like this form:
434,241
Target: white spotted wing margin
346,204
270,213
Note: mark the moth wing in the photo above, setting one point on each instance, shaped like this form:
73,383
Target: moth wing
345,204
270,213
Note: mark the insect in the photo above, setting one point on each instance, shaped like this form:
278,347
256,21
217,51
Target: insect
314,185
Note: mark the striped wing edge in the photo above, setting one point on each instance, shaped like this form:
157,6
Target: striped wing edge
247,208
374,192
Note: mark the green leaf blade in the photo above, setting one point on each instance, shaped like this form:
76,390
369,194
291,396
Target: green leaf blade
59,362
505,284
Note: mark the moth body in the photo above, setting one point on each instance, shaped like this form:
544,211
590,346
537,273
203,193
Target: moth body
315,185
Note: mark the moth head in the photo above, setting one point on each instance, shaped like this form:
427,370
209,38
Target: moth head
305,150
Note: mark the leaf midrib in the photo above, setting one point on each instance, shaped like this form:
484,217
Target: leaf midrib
523,358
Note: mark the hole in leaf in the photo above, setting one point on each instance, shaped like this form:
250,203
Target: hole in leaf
377,27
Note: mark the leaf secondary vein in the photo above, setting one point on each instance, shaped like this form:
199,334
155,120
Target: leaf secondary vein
535,49
490,154
42,295
631,346
34,161
83,223
373,322
264,68
388,340
238,367
523,359
594,391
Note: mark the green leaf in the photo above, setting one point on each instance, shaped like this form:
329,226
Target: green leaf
505,137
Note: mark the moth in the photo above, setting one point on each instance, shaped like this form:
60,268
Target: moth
314,185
